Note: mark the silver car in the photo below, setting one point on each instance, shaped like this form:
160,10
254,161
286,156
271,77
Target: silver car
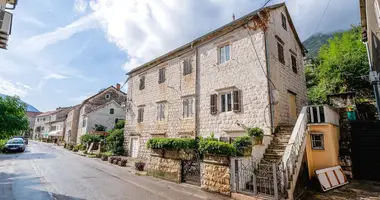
15,144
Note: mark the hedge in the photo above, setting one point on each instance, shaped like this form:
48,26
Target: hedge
171,143
216,147
90,138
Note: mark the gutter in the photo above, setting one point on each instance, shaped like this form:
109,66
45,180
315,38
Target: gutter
271,110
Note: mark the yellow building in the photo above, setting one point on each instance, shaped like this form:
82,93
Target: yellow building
322,144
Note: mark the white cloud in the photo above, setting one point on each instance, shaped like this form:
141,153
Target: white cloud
9,88
54,76
32,20
80,6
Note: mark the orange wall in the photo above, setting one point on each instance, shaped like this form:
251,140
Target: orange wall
320,159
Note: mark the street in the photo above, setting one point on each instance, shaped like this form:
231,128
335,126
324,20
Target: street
45,171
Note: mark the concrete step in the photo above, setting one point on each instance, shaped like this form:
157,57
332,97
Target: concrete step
277,146
275,150
273,156
286,128
281,139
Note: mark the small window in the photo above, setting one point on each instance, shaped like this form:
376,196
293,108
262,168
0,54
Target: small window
84,123
224,54
294,63
187,68
108,96
213,104
187,110
317,142
140,115
112,111
161,111
280,49
116,120
161,75
283,20
142,83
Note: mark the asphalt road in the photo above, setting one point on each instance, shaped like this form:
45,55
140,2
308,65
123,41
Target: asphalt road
44,172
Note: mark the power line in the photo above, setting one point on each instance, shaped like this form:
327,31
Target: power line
323,14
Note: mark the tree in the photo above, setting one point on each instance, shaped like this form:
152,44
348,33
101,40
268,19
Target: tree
341,66
13,119
99,127
120,124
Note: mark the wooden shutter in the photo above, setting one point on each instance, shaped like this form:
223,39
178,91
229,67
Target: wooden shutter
237,101
294,64
213,104
142,83
280,49
283,21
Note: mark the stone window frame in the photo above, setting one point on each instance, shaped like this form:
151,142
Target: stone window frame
161,110
235,106
293,58
220,48
284,21
140,114
190,111
317,143
187,65
161,75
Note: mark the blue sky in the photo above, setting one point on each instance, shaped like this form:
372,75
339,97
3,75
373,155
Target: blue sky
61,52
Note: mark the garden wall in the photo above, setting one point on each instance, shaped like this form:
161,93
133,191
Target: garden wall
215,175
165,168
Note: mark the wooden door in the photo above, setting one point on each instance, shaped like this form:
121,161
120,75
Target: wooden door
292,98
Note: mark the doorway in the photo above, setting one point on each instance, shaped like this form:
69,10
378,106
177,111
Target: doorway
292,100
134,147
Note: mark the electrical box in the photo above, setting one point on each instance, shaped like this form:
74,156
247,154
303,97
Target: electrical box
373,77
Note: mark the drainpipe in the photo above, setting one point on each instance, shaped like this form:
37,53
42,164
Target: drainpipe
197,91
271,110
375,85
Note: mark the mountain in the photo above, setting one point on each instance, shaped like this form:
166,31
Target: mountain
315,42
29,107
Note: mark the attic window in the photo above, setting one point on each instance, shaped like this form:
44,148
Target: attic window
112,111
283,20
108,96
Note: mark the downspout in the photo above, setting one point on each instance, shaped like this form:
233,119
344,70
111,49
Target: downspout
375,85
268,82
197,90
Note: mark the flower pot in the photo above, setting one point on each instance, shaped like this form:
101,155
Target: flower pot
257,140
351,115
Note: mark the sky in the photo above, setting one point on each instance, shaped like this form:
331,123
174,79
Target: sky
61,52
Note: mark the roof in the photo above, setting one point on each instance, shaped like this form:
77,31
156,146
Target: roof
232,25
104,91
47,113
103,105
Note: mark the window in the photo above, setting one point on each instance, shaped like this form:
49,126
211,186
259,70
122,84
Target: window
213,104
43,119
112,111
161,75
230,101
53,128
160,111
43,128
108,96
283,20
187,68
140,115
84,123
317,141
294,63
224,54
116,120
187,110
142,83
280,49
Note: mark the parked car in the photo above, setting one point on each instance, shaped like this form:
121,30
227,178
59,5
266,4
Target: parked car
22,137
15,144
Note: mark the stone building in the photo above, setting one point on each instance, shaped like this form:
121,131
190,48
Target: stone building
249,73
47,123
104,108
71,125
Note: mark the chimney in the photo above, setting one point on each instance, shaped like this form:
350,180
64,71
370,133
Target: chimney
118,86
233,17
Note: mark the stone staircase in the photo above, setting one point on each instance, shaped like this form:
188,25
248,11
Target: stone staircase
273,154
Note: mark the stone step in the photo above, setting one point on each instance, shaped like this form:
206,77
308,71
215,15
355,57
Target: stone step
281,139
277,146
275,151
286,128
273,156
270,160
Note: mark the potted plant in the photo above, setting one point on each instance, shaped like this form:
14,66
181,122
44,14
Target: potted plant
243,146
351,113
257,135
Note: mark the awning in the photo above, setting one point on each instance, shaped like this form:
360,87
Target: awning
55,133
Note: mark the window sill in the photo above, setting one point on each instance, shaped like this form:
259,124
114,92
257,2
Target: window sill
223,64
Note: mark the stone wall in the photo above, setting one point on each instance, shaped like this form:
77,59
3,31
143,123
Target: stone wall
215,178
165,168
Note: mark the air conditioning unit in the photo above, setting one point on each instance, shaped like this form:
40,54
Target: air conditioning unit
6,22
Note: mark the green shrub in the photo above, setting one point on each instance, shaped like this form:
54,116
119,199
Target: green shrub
240,143
2,144
256,132
215,147
171,143
89,138
115,142
120,124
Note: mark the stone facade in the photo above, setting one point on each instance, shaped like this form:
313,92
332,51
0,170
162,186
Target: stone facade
71,124
165,168
253,55
104,97
215,178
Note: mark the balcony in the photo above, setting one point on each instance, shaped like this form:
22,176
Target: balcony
321,114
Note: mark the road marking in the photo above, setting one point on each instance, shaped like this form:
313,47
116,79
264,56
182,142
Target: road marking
50,190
